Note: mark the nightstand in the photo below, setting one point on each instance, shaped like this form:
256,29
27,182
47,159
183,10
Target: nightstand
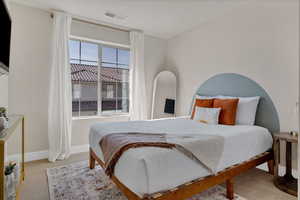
286,183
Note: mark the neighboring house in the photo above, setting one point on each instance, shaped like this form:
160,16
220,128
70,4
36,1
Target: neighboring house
113,95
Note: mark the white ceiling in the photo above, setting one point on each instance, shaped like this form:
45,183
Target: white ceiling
161,18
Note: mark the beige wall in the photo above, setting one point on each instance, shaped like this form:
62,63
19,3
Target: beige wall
258,40
29,76
29,72
95,32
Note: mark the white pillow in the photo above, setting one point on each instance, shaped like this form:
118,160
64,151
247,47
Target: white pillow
246,110
207,115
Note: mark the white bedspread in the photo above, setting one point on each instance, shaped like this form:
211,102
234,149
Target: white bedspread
149,169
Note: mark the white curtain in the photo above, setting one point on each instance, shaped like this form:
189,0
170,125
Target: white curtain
137,89
60,94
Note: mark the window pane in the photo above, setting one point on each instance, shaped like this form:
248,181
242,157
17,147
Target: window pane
123,91
123,57
74,49
123,100
89,51
109,77
89,99
75,98
115,77
115,90
85,92
109,54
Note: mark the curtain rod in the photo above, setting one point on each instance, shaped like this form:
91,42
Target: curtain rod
94,23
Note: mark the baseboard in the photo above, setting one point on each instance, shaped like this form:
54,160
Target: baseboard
281,169
39,155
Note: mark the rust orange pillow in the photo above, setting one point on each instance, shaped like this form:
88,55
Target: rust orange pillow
228,110
206,103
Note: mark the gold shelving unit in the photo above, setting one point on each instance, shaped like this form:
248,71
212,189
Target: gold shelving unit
13,122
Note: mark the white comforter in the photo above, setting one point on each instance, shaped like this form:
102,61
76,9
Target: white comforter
149,169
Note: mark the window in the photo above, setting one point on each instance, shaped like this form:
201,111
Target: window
110,91
100,76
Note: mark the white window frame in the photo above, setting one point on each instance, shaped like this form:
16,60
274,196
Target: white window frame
101,114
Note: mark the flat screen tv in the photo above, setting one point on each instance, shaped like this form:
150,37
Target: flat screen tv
5,22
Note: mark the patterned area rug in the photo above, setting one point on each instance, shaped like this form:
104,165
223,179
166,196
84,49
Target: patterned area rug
77,182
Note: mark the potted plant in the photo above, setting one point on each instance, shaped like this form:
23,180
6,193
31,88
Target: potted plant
10,181
3,113
3,118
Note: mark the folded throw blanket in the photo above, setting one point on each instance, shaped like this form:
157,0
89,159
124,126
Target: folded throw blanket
204,149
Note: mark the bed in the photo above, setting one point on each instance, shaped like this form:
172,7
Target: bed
152,173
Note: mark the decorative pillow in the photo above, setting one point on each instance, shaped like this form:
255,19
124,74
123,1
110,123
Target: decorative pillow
246,110
206,103
207,115
228,110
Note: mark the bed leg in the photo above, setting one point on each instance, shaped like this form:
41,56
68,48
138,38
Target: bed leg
230,193
92,160
271,166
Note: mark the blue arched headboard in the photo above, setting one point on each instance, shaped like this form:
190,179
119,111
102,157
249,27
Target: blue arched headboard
231,84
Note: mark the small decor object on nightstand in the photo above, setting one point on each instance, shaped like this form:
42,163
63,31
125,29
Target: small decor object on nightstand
286,183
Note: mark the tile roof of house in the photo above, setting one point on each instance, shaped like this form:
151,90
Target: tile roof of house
88,73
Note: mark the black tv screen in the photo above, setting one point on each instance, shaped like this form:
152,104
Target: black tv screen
5,22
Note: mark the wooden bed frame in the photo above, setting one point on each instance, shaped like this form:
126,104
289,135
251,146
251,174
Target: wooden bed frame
196,186
228,84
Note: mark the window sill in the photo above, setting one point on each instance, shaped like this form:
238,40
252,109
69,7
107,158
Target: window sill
108,116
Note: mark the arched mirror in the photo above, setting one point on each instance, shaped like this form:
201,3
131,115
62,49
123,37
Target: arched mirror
164,95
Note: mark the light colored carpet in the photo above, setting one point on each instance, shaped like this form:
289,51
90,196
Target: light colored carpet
77,182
